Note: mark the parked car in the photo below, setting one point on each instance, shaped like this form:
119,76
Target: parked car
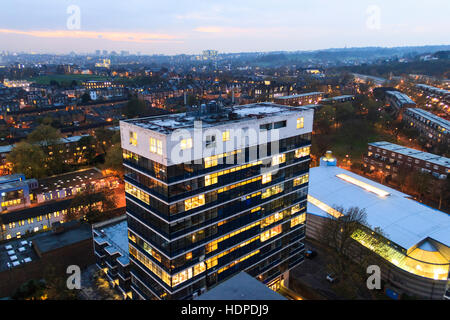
309,253
332,278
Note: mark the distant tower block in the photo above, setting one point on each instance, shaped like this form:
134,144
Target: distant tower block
328,160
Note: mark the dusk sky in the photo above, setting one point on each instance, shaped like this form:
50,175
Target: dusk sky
181,26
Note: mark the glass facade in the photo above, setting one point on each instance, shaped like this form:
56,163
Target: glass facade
194,225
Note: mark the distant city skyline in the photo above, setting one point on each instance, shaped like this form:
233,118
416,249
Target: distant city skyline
176,27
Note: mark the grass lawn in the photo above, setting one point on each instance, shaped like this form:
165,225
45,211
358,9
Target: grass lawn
345,141
356,147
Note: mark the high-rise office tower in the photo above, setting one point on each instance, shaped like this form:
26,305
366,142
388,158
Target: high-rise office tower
213,192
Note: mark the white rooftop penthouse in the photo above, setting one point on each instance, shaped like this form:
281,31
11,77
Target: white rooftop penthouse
193,136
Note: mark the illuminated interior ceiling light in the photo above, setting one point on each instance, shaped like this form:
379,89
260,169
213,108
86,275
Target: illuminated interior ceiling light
324,207
366,186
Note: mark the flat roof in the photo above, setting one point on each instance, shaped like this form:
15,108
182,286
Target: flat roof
115,235
300,95
401,97
166,124
8,148
433,89
50,241
404,221
24,252
413,153
432,117
34,210
68,180
241,287
9,253
365,76
345,96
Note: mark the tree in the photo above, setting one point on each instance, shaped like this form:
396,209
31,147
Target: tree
86,98
31,290
441,190
28,159
113,160
88,152
104,138
52,287
44,135
90,204
420,182
103,288
324,119
402,177
56,285
135,108
339,231
344,111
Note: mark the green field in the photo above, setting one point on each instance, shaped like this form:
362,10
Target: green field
66,78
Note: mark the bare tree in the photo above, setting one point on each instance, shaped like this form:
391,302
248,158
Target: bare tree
349,258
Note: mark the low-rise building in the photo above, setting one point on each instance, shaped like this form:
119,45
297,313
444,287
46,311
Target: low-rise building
436,129
33,206
300,99
22,260
338,99
433,91
399,101
242,286
412,244
111,253
390,158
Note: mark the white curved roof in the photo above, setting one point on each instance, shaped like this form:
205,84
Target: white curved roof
404,221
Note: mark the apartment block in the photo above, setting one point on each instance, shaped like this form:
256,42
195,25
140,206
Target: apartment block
111,253
30,205
435,128
390,158
399,101
300,99
214,192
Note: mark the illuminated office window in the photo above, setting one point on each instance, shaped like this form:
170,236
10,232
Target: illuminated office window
266,178
210,179
136,192
302,152
270,233
272,191
211,161
156,146
186,144
226,135
272,219
194,202
300,123
280,158
133,138
297,220
301,180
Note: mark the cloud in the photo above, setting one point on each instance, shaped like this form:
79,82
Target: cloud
210,29
140,37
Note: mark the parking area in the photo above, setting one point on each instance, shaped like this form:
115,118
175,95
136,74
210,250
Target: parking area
309,278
